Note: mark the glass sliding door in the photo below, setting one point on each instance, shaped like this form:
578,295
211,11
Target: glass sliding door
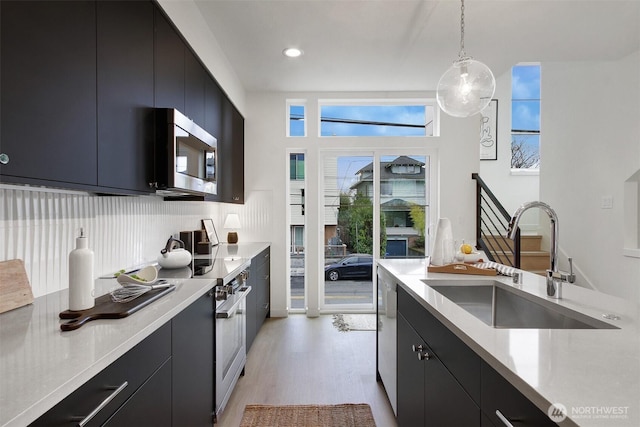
348,231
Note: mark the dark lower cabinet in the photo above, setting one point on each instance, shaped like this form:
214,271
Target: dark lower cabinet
193,361
48,97
500,397
150,405
442,382
264,286
137,381
428,395
258,300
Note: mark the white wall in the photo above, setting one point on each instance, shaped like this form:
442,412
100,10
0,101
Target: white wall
267,169
591,122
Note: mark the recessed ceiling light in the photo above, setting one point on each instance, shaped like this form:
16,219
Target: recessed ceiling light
292,52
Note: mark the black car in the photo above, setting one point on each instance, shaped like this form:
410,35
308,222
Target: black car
352,266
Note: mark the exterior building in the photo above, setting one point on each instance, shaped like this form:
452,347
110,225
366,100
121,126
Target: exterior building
402,185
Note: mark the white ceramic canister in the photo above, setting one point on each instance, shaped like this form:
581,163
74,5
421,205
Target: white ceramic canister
81,284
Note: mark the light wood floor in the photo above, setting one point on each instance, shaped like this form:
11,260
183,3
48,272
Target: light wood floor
298,360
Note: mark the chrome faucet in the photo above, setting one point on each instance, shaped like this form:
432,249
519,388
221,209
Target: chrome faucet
555,278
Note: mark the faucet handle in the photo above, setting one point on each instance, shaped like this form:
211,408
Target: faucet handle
572,277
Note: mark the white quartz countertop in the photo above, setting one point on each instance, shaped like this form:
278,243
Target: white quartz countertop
40,365
594,373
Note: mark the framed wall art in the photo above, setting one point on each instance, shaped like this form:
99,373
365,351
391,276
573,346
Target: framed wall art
489,131
210,229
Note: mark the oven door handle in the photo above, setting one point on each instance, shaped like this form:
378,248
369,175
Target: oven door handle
229,308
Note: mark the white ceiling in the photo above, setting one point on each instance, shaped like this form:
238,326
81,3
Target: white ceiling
398,45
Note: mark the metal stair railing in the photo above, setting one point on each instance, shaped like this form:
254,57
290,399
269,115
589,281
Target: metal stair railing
492,223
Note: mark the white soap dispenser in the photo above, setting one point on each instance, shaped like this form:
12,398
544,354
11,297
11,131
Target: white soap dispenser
81,286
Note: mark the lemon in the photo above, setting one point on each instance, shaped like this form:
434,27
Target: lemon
466,248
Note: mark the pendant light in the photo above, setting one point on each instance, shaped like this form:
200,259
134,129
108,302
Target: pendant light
467,87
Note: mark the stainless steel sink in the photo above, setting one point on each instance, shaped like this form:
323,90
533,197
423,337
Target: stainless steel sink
501,306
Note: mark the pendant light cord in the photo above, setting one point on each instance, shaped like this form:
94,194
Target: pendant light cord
462,55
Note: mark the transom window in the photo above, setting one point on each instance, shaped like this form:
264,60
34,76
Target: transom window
376,119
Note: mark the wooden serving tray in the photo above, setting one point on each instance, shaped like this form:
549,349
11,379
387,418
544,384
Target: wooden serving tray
462,268
105,308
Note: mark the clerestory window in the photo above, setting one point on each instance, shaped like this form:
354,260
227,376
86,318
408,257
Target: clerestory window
369,118
525,117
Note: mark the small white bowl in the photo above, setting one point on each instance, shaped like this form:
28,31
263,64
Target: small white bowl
146,276
472,257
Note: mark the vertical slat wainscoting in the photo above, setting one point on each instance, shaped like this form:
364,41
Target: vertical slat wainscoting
255,217
40,228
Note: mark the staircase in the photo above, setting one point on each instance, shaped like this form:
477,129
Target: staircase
492,223
532,257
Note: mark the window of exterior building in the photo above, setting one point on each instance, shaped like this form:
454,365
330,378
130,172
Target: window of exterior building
377,119
525,117
296,166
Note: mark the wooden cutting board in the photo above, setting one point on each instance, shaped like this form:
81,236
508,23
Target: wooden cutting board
15,290
105,308
462,268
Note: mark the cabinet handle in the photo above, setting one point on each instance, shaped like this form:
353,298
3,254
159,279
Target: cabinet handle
423,355
504,419
4,158
100,407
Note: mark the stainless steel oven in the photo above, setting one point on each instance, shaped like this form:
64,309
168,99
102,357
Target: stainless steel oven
231,326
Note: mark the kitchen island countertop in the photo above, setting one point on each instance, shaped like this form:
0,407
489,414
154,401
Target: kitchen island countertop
40,365
594,373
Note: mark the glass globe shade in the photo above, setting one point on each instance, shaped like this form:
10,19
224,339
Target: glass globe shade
466,88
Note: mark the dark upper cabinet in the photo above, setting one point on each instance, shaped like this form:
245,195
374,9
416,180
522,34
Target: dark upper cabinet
213,96
194,88
231,159
79,82
169,66
125,94
48,98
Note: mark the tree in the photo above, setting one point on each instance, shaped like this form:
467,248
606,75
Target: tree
355,218
523,156
418,217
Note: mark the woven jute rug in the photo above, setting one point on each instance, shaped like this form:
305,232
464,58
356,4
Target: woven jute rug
343,415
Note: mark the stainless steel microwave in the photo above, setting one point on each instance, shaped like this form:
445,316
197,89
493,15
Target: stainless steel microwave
186,156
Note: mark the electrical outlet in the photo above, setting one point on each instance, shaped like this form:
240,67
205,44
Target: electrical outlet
607,202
